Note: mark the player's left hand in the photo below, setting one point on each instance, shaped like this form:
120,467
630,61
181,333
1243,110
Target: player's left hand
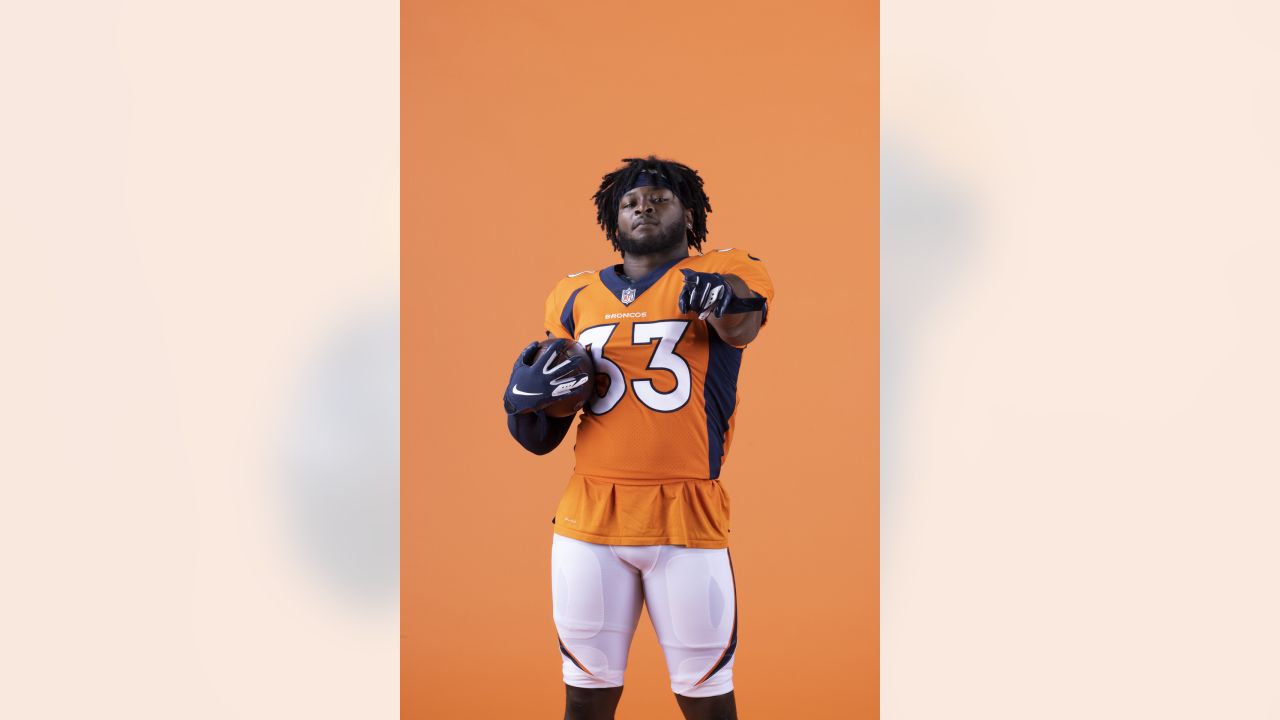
705,294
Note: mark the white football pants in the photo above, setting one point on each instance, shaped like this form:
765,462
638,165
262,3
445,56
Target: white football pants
596,594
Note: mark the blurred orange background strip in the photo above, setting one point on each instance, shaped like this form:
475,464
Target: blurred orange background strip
510,114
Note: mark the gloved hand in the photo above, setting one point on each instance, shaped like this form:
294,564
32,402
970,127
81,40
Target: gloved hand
544,375
711,294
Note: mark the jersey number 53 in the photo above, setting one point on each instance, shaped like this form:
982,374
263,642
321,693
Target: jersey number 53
667,334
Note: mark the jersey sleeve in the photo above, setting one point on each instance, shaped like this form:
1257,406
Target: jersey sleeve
558,319
748,267
552,323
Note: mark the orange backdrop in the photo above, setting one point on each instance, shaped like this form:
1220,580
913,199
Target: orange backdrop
511,112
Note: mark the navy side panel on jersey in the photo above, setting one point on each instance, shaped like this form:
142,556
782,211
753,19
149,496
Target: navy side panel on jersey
721,395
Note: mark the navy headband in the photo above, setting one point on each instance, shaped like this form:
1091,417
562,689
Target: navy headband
650,178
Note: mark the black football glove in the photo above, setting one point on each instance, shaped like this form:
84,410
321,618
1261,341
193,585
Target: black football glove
710,294
542,376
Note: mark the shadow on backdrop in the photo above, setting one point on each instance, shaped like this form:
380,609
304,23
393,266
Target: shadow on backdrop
926,242
341,453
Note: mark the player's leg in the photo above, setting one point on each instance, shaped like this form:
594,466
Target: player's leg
720,707
590,703
693,605
596,601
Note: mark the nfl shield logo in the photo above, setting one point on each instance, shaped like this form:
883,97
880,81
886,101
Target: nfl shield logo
628,296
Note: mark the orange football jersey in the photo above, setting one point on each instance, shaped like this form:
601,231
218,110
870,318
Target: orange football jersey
653,439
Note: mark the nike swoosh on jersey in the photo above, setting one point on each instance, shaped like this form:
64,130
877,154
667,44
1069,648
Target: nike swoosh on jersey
518,391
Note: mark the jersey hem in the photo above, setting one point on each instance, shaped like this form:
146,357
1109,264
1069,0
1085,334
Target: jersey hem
656,540
642,481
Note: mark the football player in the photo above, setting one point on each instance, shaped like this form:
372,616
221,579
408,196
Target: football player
644,519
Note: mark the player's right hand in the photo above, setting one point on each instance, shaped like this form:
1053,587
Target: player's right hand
542,376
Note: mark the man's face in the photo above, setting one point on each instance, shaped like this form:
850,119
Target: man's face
651,220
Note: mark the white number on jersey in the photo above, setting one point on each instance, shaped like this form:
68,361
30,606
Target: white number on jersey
594,339
668,334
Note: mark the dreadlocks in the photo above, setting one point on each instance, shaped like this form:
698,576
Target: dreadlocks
685,183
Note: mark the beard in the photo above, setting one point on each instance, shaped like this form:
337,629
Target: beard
666,239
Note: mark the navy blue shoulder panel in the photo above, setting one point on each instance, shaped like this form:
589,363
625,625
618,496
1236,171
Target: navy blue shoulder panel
613,279
566,315
720,395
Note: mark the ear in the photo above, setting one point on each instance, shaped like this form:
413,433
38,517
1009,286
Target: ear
688,219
